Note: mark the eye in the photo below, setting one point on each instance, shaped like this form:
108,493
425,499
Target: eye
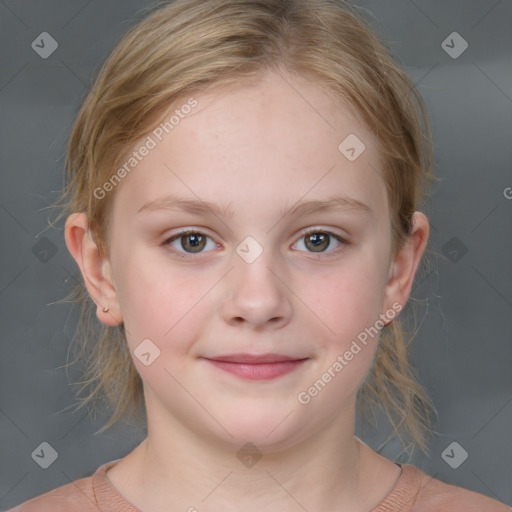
318,240
190,242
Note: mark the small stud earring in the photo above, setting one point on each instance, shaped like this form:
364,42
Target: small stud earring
105,309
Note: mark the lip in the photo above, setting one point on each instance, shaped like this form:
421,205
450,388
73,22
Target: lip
257,366
254,358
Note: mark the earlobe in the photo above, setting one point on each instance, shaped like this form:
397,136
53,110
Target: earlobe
94,268
406,262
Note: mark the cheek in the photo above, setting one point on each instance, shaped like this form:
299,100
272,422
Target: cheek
348,299
163,303
350,330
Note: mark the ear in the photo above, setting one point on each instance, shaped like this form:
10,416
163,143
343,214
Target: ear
96,270
405,263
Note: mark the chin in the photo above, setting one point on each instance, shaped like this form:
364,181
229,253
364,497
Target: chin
266,430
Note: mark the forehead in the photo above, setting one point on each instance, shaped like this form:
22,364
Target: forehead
259,146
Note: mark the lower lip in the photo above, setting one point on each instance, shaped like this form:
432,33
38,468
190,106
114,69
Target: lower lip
261,371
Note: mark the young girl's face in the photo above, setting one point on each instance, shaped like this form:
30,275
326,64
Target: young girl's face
248,280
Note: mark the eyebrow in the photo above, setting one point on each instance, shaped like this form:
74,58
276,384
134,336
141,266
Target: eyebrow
199,207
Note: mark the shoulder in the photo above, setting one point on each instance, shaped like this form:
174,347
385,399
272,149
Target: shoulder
433,494
78,496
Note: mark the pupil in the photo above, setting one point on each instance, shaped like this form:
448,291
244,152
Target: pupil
318,241
195,240
318,238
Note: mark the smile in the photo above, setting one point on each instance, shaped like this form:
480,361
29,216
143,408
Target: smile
257,367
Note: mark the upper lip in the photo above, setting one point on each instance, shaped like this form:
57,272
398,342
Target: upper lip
254,358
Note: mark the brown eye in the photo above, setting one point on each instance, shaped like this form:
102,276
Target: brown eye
317,242
193,242
321,242
189,242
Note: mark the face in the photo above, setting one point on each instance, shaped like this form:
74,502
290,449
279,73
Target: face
266,272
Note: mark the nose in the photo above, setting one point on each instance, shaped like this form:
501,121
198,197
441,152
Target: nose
257,295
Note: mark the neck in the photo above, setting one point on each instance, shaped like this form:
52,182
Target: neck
184,470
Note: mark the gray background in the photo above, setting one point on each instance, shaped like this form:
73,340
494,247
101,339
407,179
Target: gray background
463,351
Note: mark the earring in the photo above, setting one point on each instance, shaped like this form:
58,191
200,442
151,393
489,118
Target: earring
105,309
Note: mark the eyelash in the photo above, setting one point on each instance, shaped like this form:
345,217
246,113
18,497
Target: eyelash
311,231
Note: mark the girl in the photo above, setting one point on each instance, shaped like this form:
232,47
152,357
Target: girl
244,179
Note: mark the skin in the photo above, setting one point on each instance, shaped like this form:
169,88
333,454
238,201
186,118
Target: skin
258,149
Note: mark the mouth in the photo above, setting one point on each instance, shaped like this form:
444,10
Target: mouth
257,367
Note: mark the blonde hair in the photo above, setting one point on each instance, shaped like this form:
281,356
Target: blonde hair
181,48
